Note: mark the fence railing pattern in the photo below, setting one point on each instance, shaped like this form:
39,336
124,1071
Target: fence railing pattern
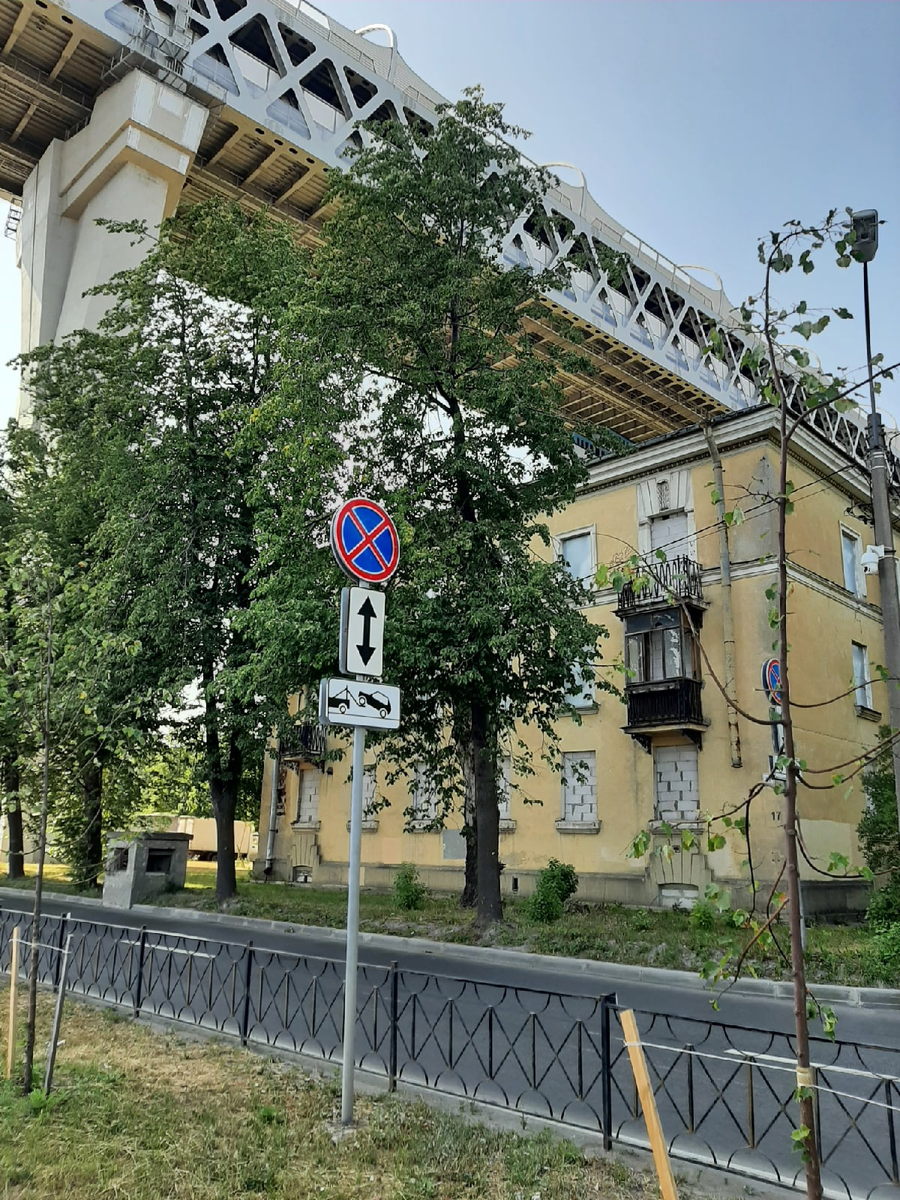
725,1093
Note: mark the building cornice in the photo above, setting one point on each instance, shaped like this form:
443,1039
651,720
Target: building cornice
757,426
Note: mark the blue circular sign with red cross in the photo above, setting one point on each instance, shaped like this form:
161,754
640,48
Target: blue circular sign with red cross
771,680
364,541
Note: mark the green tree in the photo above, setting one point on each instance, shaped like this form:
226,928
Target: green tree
453,420
11,746
163,391
52,669
53,480
878,834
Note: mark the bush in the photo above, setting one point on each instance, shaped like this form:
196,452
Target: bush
556,883
561,878
884,907
883,956
544,906
703,916
409,892
878,837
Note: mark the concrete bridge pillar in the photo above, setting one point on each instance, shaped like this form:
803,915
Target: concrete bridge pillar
128,163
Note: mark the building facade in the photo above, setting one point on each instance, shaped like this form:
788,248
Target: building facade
665,750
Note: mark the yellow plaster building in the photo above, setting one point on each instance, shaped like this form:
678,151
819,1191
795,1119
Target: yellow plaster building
667,751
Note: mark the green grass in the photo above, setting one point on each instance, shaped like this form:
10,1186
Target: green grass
608,933
150,1116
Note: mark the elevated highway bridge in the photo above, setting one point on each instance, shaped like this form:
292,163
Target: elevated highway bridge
128,108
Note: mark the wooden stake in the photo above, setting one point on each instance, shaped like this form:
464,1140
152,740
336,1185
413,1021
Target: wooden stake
648,1104
13,990
57,1016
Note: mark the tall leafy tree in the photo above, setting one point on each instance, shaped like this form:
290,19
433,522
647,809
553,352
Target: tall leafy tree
11,743
54,665
453,419
163,391
53,484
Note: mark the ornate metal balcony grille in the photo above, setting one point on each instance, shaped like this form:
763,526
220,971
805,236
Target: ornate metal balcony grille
663,583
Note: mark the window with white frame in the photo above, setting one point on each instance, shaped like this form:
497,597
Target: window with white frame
851,553
582,693
424,798
579,788
861,680
576,550
670,533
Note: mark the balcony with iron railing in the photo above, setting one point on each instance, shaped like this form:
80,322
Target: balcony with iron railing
664,702
663,583
304,743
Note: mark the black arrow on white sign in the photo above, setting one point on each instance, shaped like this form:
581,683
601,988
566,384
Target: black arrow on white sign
362,632
367,612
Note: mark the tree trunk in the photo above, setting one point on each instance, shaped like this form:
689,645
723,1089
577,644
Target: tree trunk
89,857
14,824
31,1027
487,821
223,790
470,887
469,896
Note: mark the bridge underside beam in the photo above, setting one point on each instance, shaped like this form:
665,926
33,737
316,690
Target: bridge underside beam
129,162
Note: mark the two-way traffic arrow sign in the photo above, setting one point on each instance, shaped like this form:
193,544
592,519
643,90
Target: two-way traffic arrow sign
362,632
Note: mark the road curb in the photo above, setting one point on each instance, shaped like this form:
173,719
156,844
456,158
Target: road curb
606,972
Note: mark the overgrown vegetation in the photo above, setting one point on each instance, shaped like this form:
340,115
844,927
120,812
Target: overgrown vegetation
555,884
409,892
878,837
149,1115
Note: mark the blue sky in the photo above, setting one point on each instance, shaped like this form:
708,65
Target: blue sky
699,125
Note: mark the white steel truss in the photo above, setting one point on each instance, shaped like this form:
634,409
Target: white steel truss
293,70
299,75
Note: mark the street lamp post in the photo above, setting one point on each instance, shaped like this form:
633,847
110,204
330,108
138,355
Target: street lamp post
865,226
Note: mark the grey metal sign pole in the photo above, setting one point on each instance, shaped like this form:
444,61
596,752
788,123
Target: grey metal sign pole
366,547
356,803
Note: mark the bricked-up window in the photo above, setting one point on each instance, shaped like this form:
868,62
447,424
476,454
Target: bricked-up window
308,797
660,646
579,787
675,773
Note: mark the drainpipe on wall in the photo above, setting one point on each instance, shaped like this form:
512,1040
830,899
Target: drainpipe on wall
734,731
273,806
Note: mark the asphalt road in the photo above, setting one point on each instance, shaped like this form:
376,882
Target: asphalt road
522,1032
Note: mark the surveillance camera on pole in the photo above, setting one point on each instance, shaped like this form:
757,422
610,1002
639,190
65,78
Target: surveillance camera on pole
870,560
